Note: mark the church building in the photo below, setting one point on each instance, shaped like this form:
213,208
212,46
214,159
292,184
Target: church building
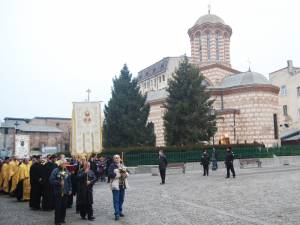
246,103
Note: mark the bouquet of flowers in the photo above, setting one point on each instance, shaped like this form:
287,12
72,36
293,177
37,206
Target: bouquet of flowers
61,176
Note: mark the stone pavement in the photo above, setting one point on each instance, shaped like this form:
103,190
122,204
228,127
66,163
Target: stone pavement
265,196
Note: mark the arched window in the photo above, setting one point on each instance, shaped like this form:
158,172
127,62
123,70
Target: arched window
208,46
200,49
218,46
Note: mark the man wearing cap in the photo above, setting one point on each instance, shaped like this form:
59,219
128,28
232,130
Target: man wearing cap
60,179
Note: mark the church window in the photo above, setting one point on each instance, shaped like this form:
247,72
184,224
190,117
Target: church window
275,126
159,79
208,46
298,91
148,84
200,49
283,90
218,46
163,77
285,110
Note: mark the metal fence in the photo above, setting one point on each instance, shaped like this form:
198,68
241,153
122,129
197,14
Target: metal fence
151,158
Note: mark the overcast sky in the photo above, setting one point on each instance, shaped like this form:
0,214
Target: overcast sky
52,51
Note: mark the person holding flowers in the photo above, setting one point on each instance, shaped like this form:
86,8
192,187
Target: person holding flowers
60,179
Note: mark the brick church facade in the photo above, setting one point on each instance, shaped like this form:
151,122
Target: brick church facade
246,103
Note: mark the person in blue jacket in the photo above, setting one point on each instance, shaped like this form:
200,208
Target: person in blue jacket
60,179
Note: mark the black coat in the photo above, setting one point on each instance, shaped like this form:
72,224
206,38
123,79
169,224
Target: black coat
48,196
229,157
84,192
36,185
162,162
205,159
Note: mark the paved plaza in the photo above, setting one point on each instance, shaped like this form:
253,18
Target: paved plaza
266,196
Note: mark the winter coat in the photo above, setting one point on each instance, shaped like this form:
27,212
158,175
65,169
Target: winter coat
85,192
229,157
55,178
162,162
205,159
115,177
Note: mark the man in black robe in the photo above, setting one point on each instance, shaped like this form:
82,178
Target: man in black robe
48,196
86,181
36,184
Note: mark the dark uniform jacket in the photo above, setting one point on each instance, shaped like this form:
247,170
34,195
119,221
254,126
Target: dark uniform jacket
229,158
205,159
162,163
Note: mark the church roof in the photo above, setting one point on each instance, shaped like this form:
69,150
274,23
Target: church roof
243,79
209,18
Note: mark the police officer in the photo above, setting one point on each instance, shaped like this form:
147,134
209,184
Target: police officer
205,162
229,162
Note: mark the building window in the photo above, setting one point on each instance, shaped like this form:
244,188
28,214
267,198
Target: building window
298,91
218,46
283,90
163,77
148,84
285,110
5,130
208,46
275,126
144,84
200,49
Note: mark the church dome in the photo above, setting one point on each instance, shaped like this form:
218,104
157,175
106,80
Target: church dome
209,18
244,79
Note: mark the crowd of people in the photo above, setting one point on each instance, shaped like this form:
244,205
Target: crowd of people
51,183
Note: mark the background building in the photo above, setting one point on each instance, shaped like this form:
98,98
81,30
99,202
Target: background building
288,80
246,103
44,132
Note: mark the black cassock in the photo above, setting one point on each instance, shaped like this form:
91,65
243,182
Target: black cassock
36,185
85,193
48,196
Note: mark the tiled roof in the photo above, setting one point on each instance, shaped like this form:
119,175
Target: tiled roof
209,18
156,68
242,79
36,128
